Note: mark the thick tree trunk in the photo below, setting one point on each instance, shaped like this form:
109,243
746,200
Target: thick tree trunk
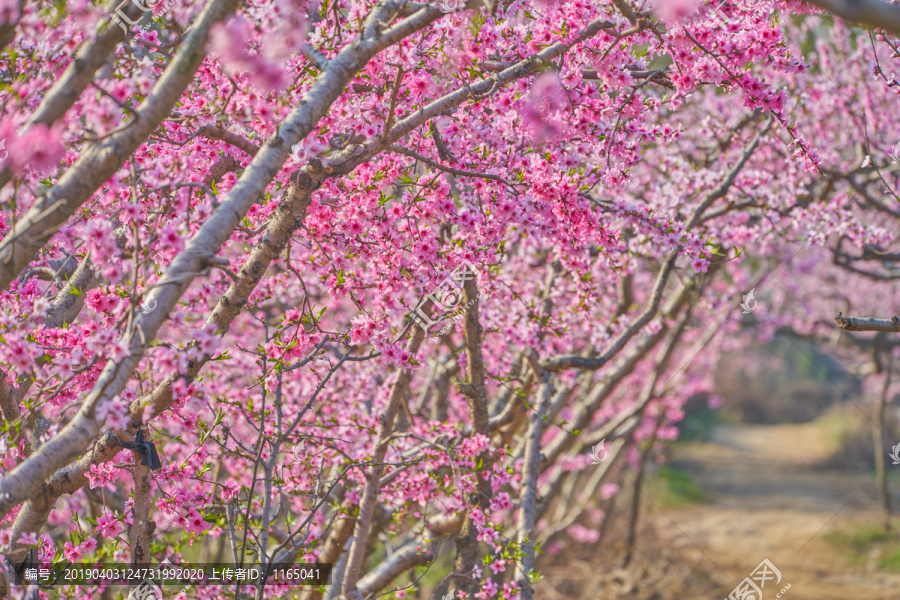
141,530
476,393
884,497
633,518
634,515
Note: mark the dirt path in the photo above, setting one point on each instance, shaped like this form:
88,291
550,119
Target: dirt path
767,502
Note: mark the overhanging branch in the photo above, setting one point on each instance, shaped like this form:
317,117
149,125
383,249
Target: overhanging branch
868,12
868,323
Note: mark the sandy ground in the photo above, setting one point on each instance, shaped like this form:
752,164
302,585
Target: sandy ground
767,502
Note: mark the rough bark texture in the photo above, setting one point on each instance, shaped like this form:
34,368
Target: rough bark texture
141,529
530,473
891,325
9,406
476,394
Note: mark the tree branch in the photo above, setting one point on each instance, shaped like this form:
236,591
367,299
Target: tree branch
880,15
84,426
373,478
80,72
218,132
100,162
891,325
141,526
446,169
408,556
530,472
475,391
561,363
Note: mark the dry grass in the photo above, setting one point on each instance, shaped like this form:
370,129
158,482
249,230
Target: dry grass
660,570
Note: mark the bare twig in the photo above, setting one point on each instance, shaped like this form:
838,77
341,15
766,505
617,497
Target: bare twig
891,325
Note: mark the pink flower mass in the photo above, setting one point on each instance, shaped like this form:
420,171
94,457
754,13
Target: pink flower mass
238,312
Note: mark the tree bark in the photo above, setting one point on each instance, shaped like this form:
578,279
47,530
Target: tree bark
141,527
141,530
373,479
891,325
884,497
476,393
